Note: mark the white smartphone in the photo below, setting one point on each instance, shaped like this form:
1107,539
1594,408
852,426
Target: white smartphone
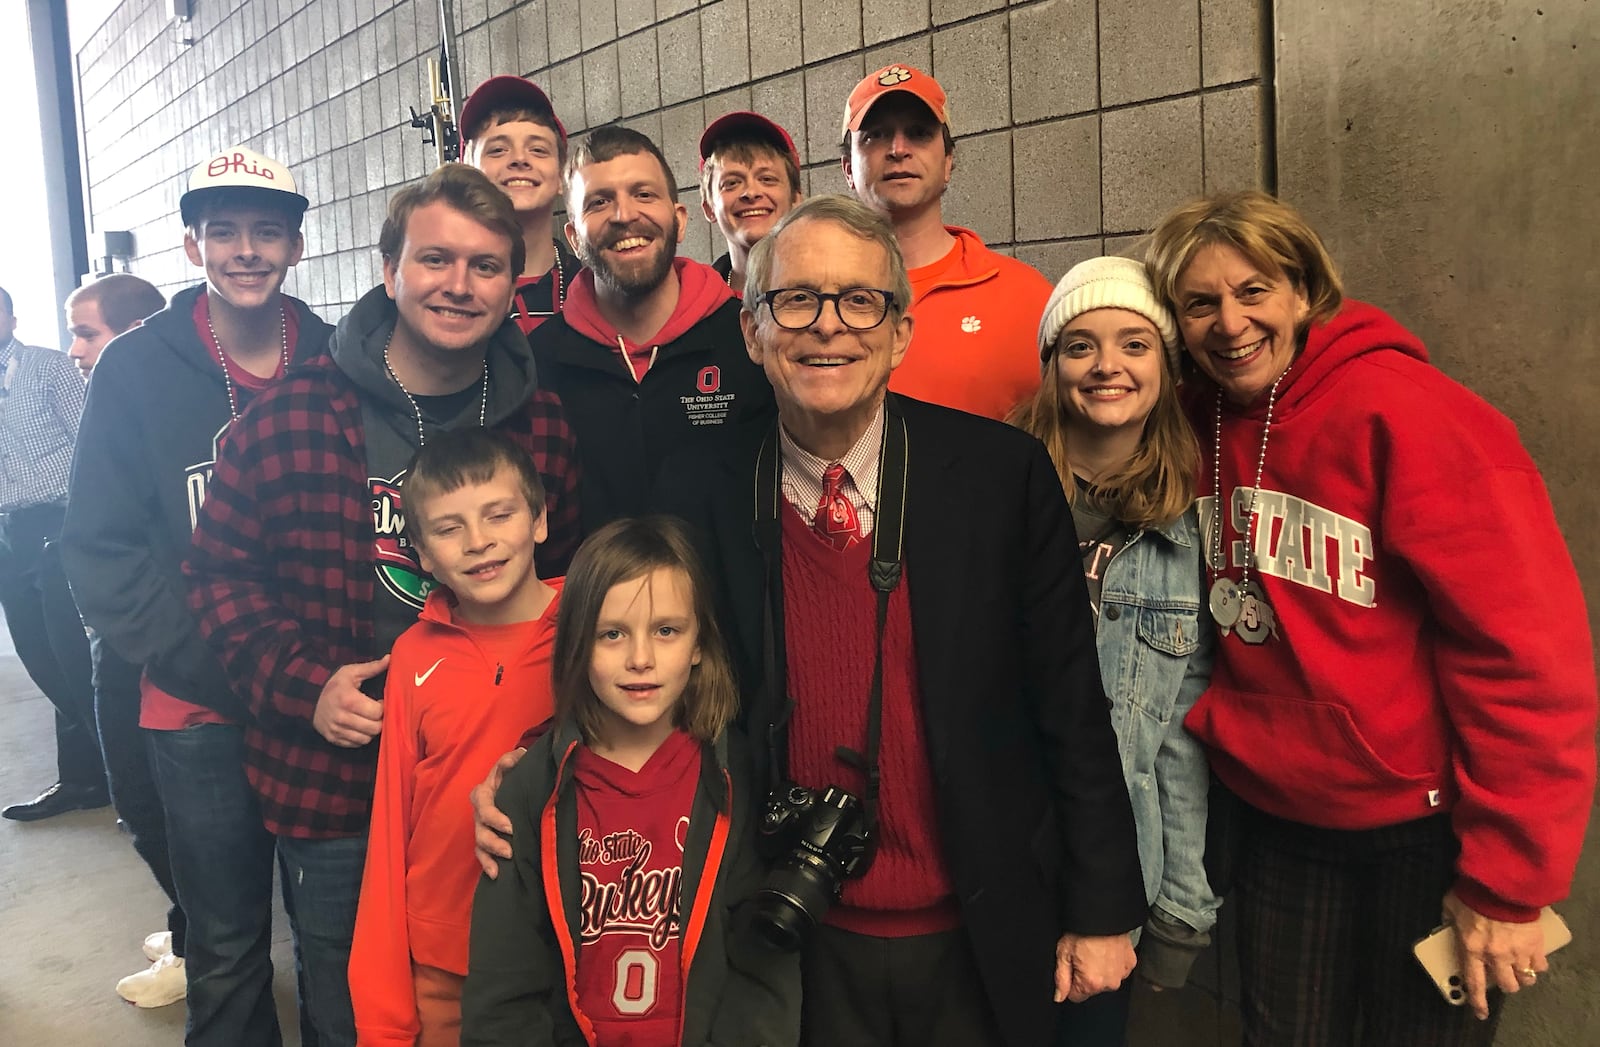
1437,954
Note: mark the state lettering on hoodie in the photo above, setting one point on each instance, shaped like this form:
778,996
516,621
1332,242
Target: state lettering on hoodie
627,887
1298,541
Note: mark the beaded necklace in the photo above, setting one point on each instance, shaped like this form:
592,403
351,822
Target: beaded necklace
227,376
558,294
483,402
1227,599
558,290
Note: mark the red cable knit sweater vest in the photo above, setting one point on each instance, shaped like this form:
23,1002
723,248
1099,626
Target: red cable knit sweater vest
830,626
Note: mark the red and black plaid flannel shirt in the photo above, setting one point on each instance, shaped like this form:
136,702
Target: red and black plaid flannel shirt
281,577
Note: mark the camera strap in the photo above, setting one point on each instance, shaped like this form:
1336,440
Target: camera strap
883,571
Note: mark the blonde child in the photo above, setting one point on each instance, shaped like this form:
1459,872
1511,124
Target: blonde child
614,922
464,682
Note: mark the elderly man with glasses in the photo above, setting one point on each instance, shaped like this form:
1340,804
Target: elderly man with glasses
913,631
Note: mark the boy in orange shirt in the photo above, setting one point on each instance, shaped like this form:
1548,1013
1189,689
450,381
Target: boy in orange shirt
464,683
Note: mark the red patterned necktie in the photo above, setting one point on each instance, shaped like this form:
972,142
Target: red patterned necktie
836,521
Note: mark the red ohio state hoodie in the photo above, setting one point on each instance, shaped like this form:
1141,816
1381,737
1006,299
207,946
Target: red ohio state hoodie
631,832
1428,648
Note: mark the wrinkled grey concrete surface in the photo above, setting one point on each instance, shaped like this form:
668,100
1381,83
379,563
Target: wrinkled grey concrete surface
75,904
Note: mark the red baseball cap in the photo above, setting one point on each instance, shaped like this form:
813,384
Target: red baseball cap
745,124
887,80
505,92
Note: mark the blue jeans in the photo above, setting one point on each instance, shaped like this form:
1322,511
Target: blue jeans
322,884
222,866
129,772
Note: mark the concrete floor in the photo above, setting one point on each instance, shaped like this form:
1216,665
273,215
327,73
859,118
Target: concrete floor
75,904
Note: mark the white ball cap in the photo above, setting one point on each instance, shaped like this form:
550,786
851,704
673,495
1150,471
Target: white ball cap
239,168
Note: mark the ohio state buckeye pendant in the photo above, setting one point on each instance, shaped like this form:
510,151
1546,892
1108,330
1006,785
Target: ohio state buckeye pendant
1257,621
1226,604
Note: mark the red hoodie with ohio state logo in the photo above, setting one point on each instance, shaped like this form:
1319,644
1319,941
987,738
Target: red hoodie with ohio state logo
632,826
1421,645
614,923
633,404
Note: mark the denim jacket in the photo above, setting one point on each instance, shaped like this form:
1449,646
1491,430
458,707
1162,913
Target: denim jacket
1156,650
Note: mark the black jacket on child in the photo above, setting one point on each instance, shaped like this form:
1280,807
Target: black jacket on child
157,408
738,991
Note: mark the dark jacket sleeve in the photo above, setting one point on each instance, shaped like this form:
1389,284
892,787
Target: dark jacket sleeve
760,1003
136,602
515,993
690,487
1101,888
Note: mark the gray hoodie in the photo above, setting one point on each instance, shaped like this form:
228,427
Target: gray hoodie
390,420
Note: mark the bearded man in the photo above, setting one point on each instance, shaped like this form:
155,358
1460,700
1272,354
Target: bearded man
647,354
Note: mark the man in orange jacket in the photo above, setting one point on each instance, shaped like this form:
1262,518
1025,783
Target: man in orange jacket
977,312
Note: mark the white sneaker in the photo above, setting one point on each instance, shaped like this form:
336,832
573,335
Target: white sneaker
157,945
164,982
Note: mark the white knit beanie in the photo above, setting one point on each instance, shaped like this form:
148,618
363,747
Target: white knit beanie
1106,283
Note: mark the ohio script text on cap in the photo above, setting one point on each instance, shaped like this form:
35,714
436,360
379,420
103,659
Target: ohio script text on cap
239,168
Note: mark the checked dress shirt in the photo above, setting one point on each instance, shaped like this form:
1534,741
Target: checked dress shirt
41,400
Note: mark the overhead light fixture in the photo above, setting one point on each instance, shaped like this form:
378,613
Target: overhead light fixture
117,246
183,12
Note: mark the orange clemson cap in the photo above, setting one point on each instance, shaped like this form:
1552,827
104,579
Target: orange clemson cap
887,80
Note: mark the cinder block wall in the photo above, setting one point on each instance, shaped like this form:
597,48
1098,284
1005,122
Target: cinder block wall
1078,123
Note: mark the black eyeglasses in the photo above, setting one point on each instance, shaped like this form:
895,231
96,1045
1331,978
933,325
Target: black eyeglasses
797,308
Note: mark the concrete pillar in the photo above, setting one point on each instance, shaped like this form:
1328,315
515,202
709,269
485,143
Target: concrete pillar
1447,153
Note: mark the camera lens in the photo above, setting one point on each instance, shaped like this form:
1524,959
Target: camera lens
819,842
796,895
782,924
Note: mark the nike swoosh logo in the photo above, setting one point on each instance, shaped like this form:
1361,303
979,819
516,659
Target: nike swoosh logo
422,678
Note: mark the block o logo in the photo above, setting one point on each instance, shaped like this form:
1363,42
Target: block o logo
709,379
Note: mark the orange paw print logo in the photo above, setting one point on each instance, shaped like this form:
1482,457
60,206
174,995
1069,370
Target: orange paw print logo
894,75
971,324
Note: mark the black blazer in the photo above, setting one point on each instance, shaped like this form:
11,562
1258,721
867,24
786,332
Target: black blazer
1037,828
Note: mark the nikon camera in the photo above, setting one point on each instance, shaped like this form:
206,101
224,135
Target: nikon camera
822,840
